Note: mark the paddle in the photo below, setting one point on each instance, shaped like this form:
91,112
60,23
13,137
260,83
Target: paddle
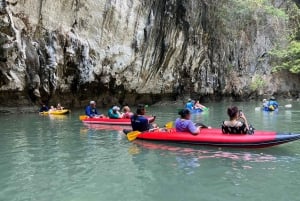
169,125
134,134
205,108
83,117
202,125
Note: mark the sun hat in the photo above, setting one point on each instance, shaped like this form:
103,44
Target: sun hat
115,108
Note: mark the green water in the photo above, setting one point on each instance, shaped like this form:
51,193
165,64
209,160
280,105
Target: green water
46,159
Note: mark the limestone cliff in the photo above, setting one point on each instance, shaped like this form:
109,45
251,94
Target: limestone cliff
138,50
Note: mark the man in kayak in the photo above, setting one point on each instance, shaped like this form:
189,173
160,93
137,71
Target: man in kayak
272,104
139,122
114,113
92,111
237,124
185,124
189,105
44,108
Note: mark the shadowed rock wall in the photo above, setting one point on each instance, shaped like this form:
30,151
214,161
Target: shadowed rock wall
128,51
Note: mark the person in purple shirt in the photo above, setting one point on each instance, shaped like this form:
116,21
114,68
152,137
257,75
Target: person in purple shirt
185,124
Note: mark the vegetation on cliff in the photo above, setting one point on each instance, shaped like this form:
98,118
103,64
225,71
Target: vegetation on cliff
286,56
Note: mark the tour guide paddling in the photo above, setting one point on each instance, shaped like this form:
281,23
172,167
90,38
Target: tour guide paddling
139,122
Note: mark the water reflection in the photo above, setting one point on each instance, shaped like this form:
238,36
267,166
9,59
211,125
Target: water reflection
106,127
189,158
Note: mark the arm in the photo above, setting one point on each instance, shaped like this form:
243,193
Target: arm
193,129
243,117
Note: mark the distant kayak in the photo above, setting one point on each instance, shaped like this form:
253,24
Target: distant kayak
109,121
56,112
215,137
268,109
196,110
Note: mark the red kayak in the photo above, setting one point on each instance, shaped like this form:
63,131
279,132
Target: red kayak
109,121
215,137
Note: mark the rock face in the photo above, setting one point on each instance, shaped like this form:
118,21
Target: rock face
128,51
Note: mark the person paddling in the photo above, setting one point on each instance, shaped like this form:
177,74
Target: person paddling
139,122
272,104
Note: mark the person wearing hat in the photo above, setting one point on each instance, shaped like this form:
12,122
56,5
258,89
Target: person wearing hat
92,111
272,104
265,105
114,112
139,122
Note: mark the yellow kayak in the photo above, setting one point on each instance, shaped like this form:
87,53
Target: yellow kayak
56,112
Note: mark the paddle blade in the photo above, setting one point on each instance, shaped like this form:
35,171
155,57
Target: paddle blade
169,125
83,117
132,135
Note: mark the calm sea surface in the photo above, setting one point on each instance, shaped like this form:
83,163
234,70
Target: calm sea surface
46,158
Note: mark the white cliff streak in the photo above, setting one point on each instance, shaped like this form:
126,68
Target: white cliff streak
136,46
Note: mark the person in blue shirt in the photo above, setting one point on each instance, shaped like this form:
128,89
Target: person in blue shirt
189,105
44,108
273,105
138,121
92,111
114,113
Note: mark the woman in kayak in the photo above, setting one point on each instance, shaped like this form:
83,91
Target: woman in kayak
185,124
199,106
114,113
127,113
237,124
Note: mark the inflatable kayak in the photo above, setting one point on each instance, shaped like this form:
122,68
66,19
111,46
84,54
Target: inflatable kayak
56,112
109,121
195,111
215,137
267,109
107,127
